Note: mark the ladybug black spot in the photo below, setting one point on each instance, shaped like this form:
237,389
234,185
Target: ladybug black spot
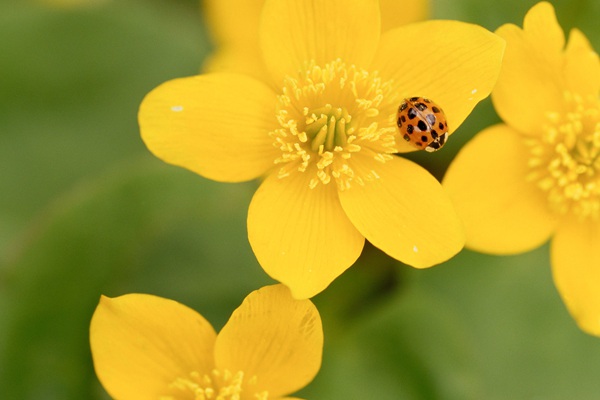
441,125
409,129
424,138
412,113
407,138
421,106
422,126
435,109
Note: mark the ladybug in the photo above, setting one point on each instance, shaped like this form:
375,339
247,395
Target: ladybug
422,123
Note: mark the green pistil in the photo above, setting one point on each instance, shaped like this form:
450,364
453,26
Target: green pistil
327,128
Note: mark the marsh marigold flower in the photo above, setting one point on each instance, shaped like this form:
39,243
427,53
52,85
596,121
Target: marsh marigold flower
150,348
235,33
321,131
537,175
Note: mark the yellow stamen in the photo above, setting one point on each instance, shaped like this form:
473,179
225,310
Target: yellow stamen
327,114
218,385
565,159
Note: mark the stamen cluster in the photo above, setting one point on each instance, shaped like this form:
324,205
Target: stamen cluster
328,115
565,159
219,385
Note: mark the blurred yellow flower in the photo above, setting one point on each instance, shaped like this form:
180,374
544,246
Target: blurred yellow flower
147,347
321,130
538,175
234,26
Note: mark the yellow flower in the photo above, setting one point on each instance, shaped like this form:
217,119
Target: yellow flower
322,132
234,26
146,347
538,175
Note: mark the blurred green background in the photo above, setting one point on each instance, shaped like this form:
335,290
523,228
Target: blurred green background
86,210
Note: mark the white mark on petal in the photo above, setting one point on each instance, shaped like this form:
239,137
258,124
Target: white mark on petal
177,108
472,92
415,248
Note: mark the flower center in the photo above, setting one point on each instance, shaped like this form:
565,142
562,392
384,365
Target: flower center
565,159
329,117
218,385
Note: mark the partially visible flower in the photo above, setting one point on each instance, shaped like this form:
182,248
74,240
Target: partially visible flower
538,175
146,347
321,130
234,26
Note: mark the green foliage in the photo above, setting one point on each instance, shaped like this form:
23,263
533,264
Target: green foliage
85,211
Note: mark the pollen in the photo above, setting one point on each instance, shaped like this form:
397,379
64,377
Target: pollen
565,160
218,385
330,116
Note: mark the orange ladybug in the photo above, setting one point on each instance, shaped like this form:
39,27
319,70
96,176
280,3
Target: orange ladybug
422,123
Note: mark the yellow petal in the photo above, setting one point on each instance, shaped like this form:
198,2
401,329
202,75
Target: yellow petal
294,32
238,60
274,337
531,83
502,212
236,33
396,13
453,63
577,40
301,236
241,26
142,343
541,26
575,256
582,67
405,213
234,22
216,125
